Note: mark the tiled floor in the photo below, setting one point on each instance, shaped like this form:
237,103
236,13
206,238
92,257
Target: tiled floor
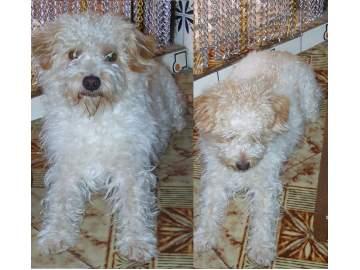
95,248
297,247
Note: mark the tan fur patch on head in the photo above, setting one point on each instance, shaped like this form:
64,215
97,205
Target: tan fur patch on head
205,107
42,45
281,105
141,50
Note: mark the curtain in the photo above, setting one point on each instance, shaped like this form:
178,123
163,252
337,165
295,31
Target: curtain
228,28
150,16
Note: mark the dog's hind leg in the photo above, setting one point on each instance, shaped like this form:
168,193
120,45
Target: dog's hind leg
311,94
176,103
179,112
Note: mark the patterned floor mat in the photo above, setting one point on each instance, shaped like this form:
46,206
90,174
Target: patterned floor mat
297,247
96,246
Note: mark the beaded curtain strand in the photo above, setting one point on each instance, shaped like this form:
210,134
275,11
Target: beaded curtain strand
201,40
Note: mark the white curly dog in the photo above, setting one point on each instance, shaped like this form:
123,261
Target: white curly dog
111,109
249,124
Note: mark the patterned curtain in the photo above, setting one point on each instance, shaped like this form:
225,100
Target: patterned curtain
228,28
150,16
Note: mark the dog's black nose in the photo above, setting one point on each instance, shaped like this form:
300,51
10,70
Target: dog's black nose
242,165
91,83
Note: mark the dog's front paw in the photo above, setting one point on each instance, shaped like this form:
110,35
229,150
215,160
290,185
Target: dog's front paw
204,240
261,255
136,249
51,243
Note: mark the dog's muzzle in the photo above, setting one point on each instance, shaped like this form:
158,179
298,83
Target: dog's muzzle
91,82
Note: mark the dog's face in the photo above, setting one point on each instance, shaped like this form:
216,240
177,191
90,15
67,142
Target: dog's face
87,58
240,120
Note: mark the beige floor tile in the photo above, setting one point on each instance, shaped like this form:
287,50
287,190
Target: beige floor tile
304,174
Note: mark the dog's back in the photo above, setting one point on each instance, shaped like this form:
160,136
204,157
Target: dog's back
293,78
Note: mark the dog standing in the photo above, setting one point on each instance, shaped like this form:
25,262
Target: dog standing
111,109
249,124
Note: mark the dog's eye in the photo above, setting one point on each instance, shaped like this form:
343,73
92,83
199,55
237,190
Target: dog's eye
110,57
73,54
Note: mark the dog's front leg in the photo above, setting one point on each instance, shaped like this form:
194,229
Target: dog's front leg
63,208
212,204
134,205
264,214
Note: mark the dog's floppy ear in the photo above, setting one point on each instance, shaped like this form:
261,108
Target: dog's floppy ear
204,112
42,45
280,106
141,50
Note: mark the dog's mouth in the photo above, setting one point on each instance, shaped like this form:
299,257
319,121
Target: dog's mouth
85,93
93,101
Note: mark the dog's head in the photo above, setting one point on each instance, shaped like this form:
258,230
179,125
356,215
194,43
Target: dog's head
238,120
87,59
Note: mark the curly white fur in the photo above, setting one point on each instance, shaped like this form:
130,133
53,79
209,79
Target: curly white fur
249,124
107,140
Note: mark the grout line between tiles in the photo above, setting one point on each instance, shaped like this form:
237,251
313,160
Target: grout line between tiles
221,258
109,242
